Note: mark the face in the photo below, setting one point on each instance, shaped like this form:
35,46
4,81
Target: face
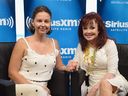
42,23
91,32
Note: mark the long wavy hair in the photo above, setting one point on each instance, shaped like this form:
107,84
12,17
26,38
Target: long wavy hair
84,22
35,12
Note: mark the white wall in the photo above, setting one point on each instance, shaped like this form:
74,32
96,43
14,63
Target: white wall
19,15
91,5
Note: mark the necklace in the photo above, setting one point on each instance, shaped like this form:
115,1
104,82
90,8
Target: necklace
89,59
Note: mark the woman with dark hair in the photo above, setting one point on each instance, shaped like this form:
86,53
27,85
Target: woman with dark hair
34,57
98,56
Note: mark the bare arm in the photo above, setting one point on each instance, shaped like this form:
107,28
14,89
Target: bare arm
59,63
15,62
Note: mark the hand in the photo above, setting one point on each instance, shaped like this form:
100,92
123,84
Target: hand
72,65
93,90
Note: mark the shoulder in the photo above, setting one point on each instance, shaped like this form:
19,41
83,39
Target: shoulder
110,42
79,49
79,46
20,43
24,40
55,43
110,45
54,40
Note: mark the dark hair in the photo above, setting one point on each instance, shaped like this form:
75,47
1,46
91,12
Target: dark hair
37,10
84,22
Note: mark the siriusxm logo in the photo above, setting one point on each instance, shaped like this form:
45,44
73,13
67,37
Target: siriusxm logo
7,22
61,22
28,20
65,22
116,24
67,51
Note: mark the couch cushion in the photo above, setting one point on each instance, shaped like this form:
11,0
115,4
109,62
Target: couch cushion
123,59
7,88
5,53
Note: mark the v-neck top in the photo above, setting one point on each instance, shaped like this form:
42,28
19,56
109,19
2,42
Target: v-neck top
38,67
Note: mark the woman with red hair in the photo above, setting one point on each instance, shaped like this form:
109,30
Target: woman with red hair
98,56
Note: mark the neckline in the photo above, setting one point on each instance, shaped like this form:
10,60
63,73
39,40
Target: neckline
51,53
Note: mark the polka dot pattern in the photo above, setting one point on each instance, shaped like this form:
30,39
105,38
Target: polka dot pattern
37,69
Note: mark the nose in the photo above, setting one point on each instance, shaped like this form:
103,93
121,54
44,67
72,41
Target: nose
87,31
42,23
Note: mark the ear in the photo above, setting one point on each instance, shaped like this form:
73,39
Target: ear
32,22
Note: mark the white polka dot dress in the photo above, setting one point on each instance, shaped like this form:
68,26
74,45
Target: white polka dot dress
38,70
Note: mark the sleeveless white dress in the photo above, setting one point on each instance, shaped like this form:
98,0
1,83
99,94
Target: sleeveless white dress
36,68
106,60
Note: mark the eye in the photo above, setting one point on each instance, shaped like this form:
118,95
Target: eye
39,20
84,28
92,27
47,21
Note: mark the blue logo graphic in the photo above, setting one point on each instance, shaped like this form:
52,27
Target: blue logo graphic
115,18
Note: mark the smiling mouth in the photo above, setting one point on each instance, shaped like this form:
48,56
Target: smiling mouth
42,29
89,35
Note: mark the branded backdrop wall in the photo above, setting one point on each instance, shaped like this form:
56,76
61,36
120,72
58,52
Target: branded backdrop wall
7,21
115,16
65,19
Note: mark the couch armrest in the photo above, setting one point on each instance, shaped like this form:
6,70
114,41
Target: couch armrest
59,83
7,88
